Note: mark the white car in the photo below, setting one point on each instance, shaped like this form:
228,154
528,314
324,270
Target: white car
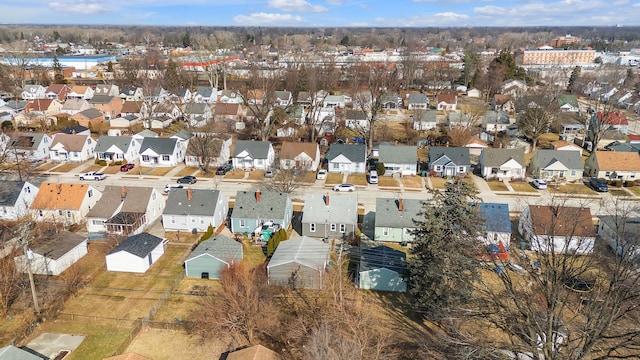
345,187
539,184
322,174
169,187
92,175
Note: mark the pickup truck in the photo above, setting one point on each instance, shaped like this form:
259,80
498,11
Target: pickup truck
92,175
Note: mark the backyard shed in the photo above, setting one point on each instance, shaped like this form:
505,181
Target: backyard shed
301,261
212,256
53,256
380,268
136,253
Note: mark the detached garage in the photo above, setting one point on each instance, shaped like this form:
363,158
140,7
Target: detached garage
380,268
54,256
136,253
301,261
212,256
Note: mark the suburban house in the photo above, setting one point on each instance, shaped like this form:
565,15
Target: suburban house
230,97
122,125
565,146
300,155
460,119
496,227
74,106
32,92
330,216
283,98
391,101
131,93
514,88
205,94
621,234
334,101
53,255
495,121
558,229
80,92
395,219
14,107
109,106
402,160
417,101
474,93
117,148
476,146
91,118
502,102
356,119
229,112
136,253
64,203
138,109
606,137
447,102
188,209
182,95
615,120
251,155
254,208
16,198
157,95
381,268
212,256
424,120
219,153
197,114
71,147
44,107
162,152
350,158
502,164
613,165
300,262
125,210
556,165
568,103
449,161
106,90
57,91
30,146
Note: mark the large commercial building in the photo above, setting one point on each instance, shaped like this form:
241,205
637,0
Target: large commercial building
557,57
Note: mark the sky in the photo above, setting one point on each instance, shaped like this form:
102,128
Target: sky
324,13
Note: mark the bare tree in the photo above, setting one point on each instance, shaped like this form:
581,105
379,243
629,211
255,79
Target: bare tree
205,146
9,276
535,115
285,181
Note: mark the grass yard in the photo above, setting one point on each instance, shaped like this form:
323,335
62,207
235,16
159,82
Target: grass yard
520,186
635,190
235,174
333,178
201,174
438,182
159,171
66,167
256,175
618,192
94,167
496,185
307,177
578,189
187,170
46,167
387,181
182,237
111,170
160,344
412,182
357,179
545,140
469,181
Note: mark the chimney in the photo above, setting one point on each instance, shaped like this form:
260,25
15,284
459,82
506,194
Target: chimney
59,188
326,200
123,192
189,194
400,205
257,195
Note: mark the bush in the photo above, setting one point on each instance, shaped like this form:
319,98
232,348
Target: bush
100,162
380,169
207,234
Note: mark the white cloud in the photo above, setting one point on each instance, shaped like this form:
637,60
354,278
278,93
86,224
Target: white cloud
268,19
451,16
359,24
334,2
297,6
80,7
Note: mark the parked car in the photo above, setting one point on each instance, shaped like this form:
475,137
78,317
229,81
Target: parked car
539,184
221,170
92,175
168,187
373,177
270,173
127,167
322,174
345,187
598,185
189,179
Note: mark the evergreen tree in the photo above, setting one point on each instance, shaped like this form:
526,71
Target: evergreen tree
573,79
171,77
58,77
444,264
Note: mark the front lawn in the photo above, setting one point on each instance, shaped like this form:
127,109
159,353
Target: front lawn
438,182
67,167
236,174
308,177
412,182
188,170
46,167
109,169
158,171
333,178
618,192
520,186
578,189
93,167
496,185
357,179
387,181
635,190
256,175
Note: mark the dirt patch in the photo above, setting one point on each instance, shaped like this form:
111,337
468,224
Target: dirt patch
412,182
154,344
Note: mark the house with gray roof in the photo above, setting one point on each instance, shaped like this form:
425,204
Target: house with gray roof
350,158
197,114
417,101
300,262
125,210
219,150
16,198
283,98
330,216
33,92
495,121
162,152
356,119
556,165
254,208
205,94
381,268
424,119
250,155
568,103
30,146
212,256
11,352
502,164
188,209
391,101
621,234
395,219
53,255
74,106
136,253
117,148
398,159
496,227
449,161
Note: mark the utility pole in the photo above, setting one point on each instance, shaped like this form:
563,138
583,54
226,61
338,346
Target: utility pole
340,274
28,254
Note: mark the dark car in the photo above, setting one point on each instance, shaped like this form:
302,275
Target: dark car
598,184
189,179
126,167
221,170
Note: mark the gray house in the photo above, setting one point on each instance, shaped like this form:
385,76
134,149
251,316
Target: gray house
188,209
502,163
349,158
253,155
395,219
212,256
253,208
556,165
117,148
330,216
417,101
301,262
401,160
380,268
449,161
424,119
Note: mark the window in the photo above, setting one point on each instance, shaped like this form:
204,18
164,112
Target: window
165,157
607,173
333,227
461,169
343,228
5,210
97,222
437,168
68,213
145,158
60,212
29,189
573,173
335,165
312,227
40,213
173,219
90,193
242,224
385,231
153,196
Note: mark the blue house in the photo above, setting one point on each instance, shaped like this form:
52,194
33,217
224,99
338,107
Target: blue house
212,256
449,161
254,208
380,268
497,225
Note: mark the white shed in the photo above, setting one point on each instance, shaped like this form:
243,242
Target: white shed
136,253
53,256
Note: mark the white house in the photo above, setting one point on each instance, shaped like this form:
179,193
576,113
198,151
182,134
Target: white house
448,102
334,101
117,148
299,155
230,97
136,253
106,89
402,160
80,92
496,225
53,256
189,209
16,198
613,165
556,165
356,119
71,147
162,152
206,95
502,163
30,146
32,92
253,155
558,229
350,158
220,150
424,120
417,101
64,202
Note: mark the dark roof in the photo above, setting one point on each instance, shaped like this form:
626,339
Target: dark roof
271,205
257,149
388,213
203,202
204,91
459,155
58,246
382,257
496,216
9,192
355,115
101,99
158,145
495,117
353,152
419,98
623,147
75,129
91,113
139,245
220,247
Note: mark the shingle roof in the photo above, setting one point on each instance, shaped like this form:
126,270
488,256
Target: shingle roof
353,152
101,99
131,106
303,250
495,117
203,202
58,246
60,196
139,245
256,352
355,115
226,109
570,159
561,221
71,142
398,154
495,157
292,149
195,108
447,98
91,113
161,146
257,149
74,104
26,141
419,98
9,192
617,161
75,130
204,91
40,104
459,155
135,199
342,209
272,204
105,142
496,216
220,247
382,257
388,213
